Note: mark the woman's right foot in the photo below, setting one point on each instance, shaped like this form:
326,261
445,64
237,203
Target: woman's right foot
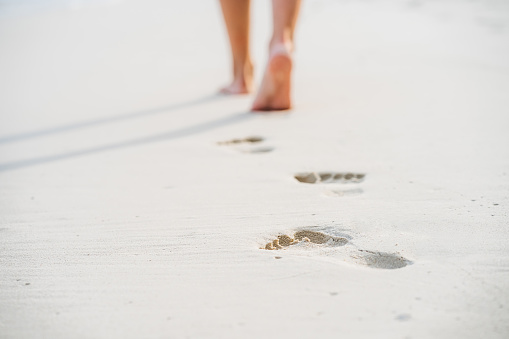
274,93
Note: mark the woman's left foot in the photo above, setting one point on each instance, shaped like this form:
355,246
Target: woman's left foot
242,80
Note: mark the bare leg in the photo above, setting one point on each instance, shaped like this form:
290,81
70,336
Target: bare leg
274,93
236,17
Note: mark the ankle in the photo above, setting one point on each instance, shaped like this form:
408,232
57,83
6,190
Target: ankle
243,69
280,42
243,73
248,69
243,76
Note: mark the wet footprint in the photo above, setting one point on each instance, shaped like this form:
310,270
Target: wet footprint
329,177
305,236
382,259
248,145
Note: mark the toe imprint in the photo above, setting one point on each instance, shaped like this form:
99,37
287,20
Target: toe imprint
309,178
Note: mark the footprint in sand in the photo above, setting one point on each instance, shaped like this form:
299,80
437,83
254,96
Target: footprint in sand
373,259
248,140
248,145
305,236
329,177
333,178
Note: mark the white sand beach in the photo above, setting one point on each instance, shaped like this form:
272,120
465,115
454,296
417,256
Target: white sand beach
135,202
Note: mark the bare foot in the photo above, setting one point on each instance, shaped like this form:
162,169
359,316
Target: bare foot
236,87
274,93
242,81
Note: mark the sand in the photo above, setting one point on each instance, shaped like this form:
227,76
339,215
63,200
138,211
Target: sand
136,203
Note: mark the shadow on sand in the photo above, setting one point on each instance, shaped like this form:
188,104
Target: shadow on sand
108,120
170,135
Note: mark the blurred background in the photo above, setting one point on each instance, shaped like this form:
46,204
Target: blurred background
68,63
